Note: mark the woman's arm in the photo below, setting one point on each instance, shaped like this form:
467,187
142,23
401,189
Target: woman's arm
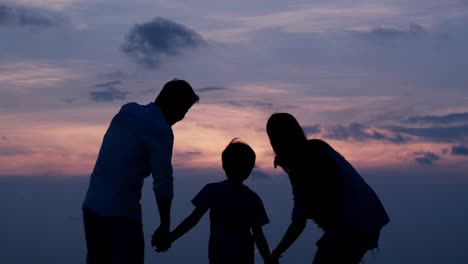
293,232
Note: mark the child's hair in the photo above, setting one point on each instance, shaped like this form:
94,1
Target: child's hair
238,160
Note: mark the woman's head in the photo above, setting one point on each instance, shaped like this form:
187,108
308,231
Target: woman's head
284,133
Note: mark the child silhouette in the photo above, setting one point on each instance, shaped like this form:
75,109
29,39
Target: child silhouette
237,213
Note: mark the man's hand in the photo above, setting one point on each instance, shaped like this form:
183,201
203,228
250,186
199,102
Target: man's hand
161,239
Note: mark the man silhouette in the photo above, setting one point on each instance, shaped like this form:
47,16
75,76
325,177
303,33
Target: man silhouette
137,143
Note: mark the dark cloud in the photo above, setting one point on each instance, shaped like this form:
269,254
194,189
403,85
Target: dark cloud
451,134
19,16
117,74
150,43
256,104
459,150
445,151
109,95
210,89
414,31
310,130
5,138
426,158
187,155
69,100
14,150
450,119
191,153
108,84
360,132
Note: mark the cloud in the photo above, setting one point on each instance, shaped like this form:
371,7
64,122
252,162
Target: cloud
459,150
436,134
210,89
310,130
116,74
109,95
450,119
5,138
20,16
360,132
426,158
256,104
69,100
193,153
14,150
107,84
386,33
149,44
187,155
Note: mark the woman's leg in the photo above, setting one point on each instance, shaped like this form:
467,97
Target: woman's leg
339,248
338,256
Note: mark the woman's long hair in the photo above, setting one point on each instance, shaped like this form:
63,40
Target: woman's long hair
285,133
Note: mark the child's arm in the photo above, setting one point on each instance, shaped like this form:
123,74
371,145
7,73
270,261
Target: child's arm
262,244
188,223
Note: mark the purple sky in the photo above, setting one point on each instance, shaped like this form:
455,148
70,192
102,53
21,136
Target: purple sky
384,82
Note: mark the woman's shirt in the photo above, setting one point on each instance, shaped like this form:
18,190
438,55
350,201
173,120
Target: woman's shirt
330,191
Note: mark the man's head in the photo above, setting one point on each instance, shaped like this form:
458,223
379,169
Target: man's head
175,99
238,160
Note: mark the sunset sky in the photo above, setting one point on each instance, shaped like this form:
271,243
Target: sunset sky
384,82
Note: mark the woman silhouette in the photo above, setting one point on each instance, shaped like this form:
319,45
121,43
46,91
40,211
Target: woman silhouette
327,189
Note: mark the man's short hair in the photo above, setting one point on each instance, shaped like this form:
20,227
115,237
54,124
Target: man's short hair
177,92
238,160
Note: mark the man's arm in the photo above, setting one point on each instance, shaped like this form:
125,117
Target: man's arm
188,223
160,154
293,232
164,207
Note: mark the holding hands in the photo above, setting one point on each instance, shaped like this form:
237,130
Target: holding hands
161,239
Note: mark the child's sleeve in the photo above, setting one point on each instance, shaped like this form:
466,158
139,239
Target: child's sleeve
203,198
259,215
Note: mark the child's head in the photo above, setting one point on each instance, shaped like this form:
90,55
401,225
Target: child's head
238,160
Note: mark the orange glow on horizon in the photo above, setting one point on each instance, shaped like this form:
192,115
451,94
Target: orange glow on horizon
58,147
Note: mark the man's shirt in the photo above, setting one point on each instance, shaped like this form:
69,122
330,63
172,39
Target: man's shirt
234,210
138,143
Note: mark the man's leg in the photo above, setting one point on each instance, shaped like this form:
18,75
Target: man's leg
128,245
96,239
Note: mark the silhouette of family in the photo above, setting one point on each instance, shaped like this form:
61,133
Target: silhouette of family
138,143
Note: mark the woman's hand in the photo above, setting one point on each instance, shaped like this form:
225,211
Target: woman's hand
280,162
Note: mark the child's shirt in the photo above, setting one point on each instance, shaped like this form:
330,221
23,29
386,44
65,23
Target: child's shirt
234,210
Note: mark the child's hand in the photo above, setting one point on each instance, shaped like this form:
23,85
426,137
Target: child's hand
161,240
